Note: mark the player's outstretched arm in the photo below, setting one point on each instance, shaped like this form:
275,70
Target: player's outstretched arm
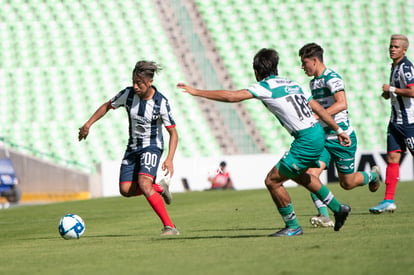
217,95
100,112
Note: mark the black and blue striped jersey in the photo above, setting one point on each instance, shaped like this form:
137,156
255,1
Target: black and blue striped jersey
146,117
402,76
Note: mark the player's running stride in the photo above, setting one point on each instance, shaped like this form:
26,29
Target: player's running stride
293,108
147,111
328,88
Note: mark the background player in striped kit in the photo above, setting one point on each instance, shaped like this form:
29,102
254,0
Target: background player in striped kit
292,107
147,111
400,133
328,89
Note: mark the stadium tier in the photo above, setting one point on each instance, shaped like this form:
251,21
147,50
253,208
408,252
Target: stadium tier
60,60
354,34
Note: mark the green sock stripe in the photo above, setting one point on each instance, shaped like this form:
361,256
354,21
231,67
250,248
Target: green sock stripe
289,216
286,210
326,196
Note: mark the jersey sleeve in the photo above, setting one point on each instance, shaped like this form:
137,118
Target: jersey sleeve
335,84
120,99
166,115
408,71
258,90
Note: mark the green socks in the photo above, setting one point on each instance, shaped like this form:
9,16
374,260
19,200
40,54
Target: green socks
326,196
289,216
322,208
322,198
368,177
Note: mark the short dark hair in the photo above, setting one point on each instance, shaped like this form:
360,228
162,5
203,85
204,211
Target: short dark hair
146,69
265,62
311,50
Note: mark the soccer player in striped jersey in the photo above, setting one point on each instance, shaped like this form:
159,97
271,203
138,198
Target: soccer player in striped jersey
400,133
328,88
287,101
147,111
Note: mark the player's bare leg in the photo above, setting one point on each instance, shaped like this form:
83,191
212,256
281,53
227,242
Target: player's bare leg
350,181
274,183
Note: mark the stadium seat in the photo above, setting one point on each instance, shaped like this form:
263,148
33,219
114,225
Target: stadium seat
79,55
341,36
76,55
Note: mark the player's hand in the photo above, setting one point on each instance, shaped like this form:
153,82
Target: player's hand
83,132
386,88
344,139
186,88
168,167
385,95
385,91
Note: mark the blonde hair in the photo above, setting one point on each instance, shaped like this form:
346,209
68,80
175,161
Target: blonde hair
401,37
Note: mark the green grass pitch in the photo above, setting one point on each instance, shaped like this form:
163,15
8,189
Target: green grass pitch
223,232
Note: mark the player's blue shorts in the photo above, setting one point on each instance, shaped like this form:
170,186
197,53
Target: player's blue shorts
140,162
400,137
304,152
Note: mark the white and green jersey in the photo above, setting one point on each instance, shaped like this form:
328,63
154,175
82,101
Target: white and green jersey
323,89
287,101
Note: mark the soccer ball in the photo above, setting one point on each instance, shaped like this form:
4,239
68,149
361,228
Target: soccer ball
71,226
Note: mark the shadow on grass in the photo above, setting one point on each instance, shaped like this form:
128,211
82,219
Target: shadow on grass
218,236
83,237
111,236
177,238
233,229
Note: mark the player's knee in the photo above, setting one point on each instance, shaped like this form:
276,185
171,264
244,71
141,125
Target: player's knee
125,194
267,182
270,183
273,179
314,172
125,191
346,185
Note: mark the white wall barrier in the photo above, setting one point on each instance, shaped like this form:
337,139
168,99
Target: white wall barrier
247,171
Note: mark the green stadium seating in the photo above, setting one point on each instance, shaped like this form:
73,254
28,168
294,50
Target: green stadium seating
354,34
60,60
